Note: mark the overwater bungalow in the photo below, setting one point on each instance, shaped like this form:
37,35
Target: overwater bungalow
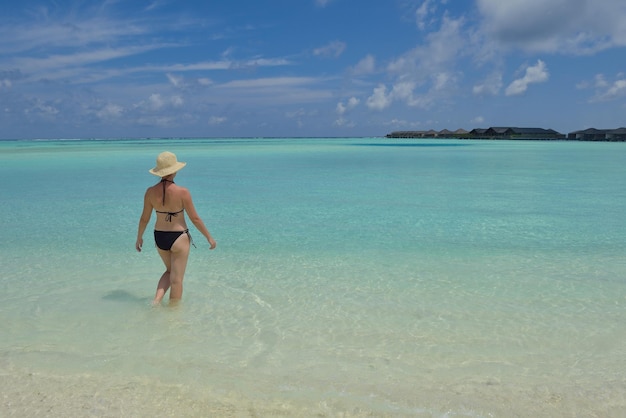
593,134
515,133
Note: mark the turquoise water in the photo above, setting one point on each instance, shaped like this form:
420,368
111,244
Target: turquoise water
353,277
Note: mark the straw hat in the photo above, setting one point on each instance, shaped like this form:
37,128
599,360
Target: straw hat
166,164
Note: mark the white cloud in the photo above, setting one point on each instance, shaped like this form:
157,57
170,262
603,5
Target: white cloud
600,81
274,90
582,85
77,31
397,123
110,111
569,26
443,80
205,81
333,49
160,121
606,91
222,65
300,115
534,74
353,102
443,49
346,123
296,113
177,101
618,89
155,5
422,12
403,91
42,108
217,120
56,61
379,100
155,101
47,109
176,81
8,77
350,104
261,62
74,45
366,66
490,86
426,66
478,120
270,82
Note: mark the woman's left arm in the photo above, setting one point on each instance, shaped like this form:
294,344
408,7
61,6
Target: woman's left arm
195,218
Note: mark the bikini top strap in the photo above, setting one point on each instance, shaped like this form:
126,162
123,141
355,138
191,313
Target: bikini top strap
163,181
168,215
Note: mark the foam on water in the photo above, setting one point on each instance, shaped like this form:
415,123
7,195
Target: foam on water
352,276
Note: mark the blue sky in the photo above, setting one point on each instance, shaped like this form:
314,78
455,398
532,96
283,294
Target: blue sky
162,68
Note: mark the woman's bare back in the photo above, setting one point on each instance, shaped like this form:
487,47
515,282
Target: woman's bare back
167,200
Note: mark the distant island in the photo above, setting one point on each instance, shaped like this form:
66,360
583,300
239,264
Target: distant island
509,132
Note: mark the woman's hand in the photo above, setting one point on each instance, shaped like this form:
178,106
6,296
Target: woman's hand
139,244
212,243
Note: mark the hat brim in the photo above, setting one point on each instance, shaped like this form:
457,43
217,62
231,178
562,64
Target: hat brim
167,171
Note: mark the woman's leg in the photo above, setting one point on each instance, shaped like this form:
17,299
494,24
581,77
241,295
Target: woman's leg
179,253
164,282
162,287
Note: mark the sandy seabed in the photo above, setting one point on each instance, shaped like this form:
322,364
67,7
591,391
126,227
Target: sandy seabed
29,394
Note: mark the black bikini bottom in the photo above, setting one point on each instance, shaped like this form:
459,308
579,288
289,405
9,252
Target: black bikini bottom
165,239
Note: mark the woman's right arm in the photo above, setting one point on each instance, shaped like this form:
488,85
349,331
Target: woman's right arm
195,218
143,221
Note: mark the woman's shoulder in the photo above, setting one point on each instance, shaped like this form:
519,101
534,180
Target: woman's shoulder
183,191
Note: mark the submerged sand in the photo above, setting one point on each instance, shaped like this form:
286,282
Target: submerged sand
30,394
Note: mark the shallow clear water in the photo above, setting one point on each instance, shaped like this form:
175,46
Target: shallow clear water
352,276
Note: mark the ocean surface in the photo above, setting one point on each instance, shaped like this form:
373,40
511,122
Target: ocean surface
353,277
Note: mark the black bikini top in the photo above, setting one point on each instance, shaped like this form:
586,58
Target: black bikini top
168,218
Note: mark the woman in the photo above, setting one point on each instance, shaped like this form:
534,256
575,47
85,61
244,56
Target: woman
171,234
